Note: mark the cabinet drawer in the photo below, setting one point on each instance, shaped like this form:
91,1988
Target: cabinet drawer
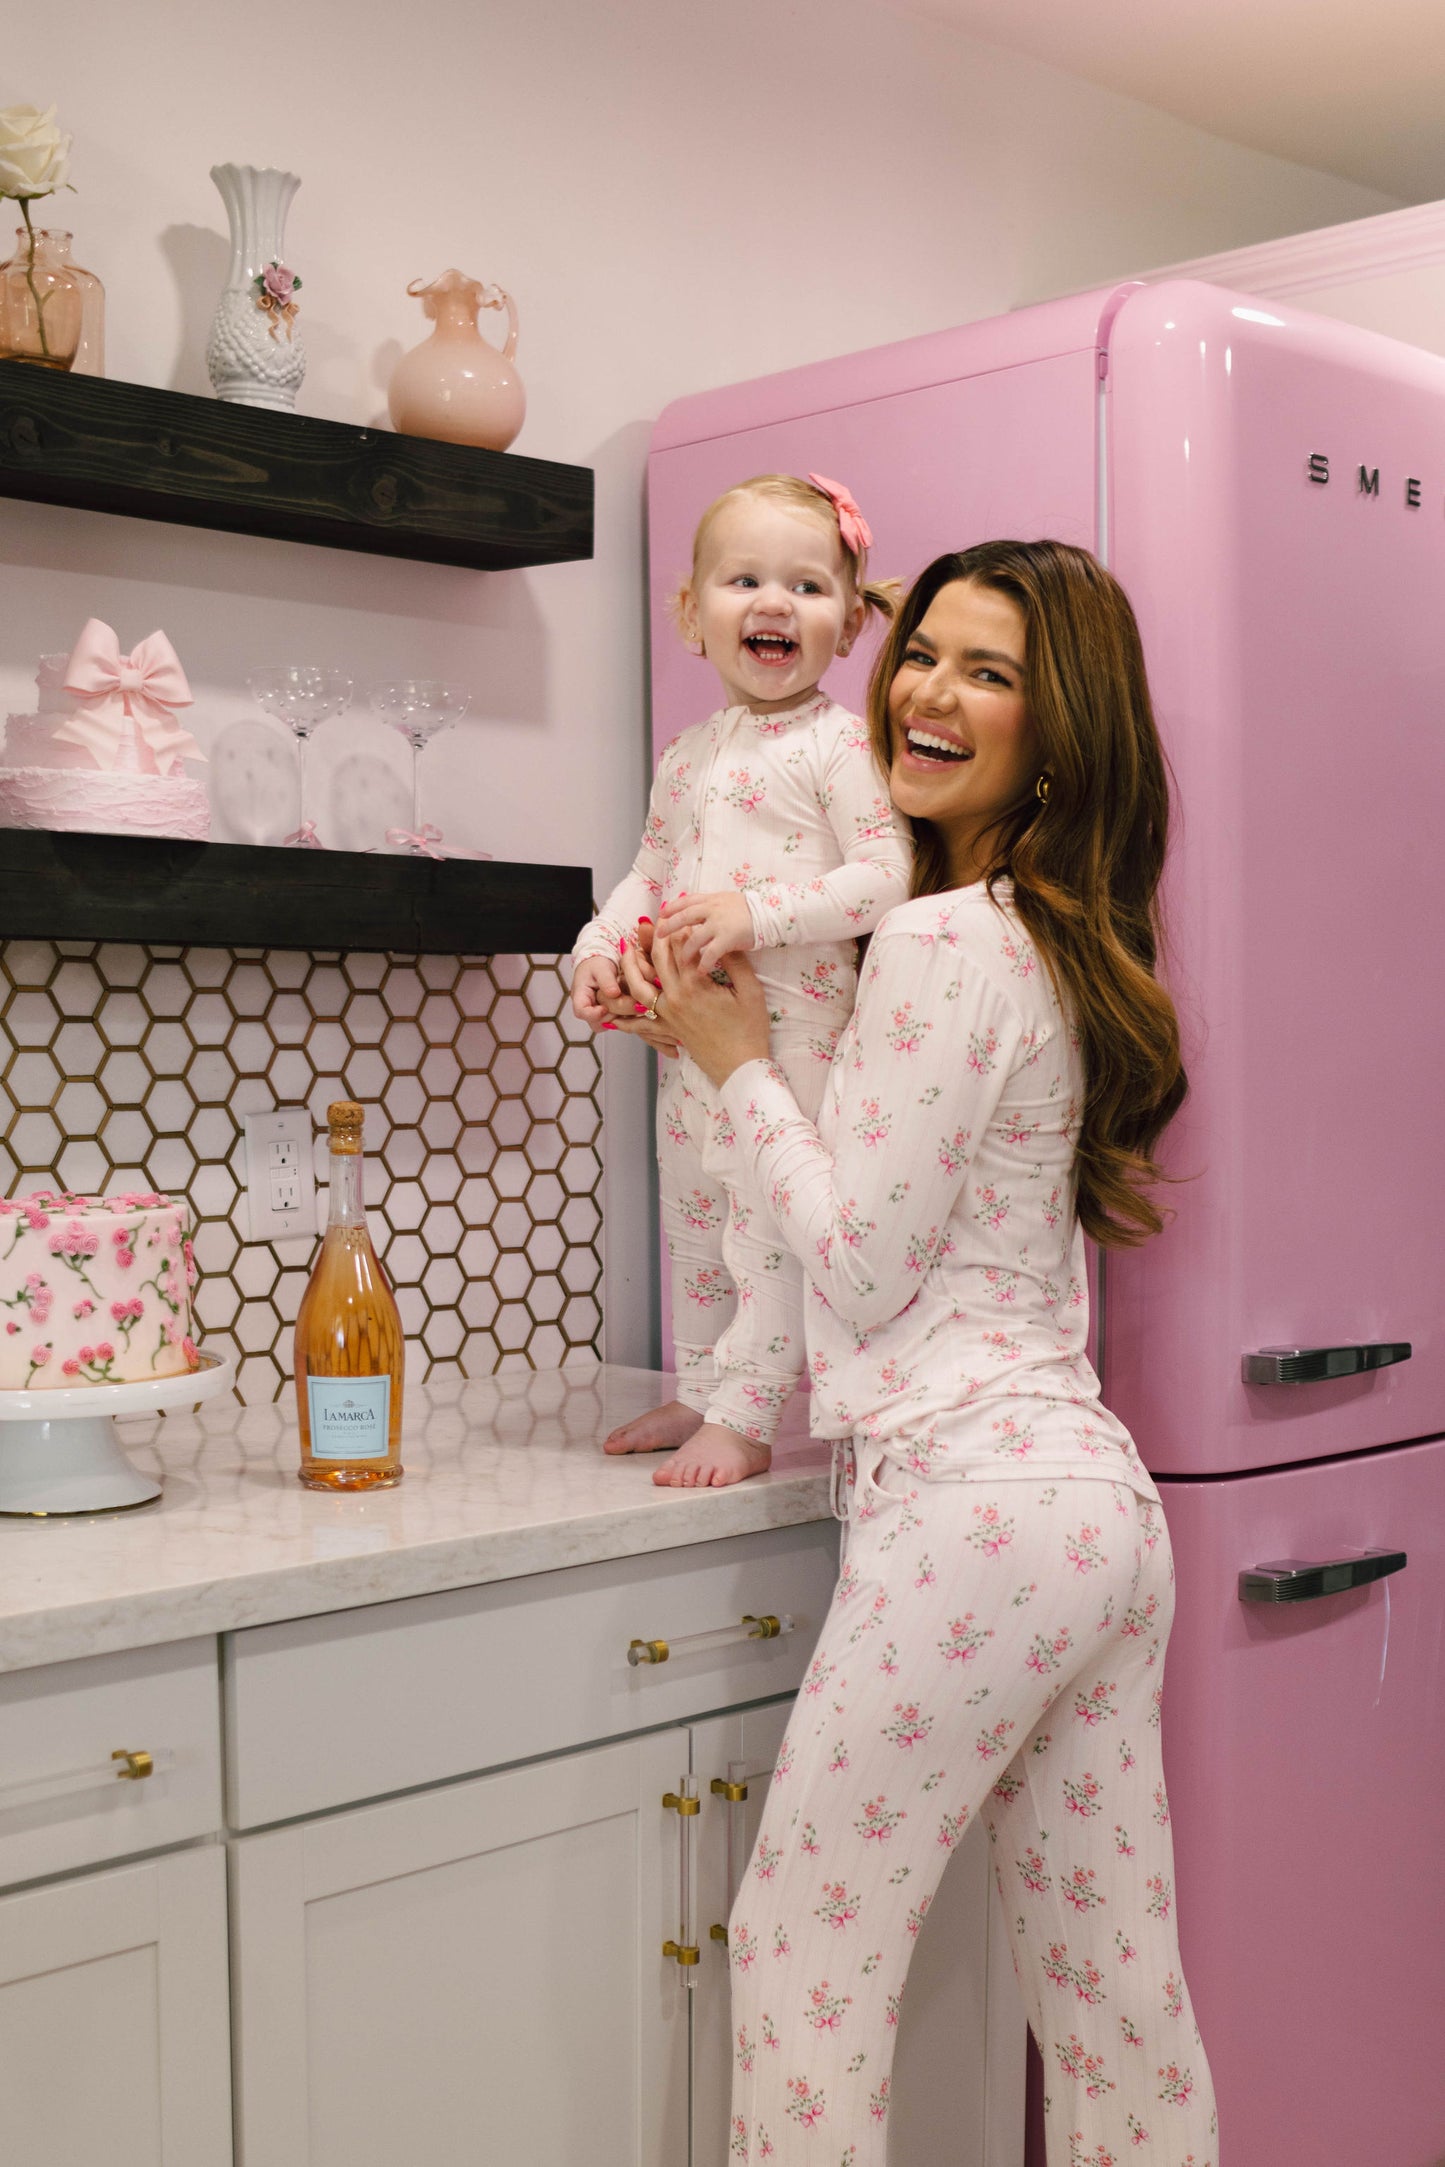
63,1802
360,1703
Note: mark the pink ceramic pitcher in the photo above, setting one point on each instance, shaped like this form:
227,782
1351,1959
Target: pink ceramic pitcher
456,385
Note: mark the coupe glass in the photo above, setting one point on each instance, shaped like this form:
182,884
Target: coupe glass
420,708
302,697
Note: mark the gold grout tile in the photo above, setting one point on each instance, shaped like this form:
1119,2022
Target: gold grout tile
121,1066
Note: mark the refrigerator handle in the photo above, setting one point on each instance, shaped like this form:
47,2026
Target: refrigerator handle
1310,1365
1292,1580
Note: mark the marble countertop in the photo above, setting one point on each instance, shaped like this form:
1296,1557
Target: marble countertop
505,1476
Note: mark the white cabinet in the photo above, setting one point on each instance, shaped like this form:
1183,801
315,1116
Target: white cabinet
428,1962
958,2091
114,2033
321,1712
108,1756
738,1750
470,1973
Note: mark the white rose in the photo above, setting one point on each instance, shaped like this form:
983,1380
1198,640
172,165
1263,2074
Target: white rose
34,154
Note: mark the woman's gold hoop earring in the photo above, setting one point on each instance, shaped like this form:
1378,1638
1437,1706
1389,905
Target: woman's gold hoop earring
1041,790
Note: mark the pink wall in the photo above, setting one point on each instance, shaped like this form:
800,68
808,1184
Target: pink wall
651,196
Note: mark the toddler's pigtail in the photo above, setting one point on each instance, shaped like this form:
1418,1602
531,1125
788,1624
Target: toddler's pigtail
884,595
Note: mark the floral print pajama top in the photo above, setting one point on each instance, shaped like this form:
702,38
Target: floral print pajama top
947,1307
791,811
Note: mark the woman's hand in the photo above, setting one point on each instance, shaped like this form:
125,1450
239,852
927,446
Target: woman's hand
714,926
721,1026
630,1009
602,998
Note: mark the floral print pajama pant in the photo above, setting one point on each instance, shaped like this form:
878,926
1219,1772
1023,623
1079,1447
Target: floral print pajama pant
737,1293
994,1651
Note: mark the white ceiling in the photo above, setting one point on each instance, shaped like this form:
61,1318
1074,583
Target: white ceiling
1350,88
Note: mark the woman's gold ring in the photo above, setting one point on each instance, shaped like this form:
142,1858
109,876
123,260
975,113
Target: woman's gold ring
652,1012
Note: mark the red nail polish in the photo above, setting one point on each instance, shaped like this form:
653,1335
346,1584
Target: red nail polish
609,1027
639,1008
644,921
622,948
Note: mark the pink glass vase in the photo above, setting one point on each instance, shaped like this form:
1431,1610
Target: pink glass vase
456,385
42,300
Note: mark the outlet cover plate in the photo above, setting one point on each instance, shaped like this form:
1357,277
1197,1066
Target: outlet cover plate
280,1176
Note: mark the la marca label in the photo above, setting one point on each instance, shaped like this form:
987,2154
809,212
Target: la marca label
350,1417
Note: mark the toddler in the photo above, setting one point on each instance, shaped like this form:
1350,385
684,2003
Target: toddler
770,829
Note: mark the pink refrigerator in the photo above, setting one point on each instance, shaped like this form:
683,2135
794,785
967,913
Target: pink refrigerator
1270,488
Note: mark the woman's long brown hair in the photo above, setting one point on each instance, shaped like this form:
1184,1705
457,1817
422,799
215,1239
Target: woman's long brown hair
1085,866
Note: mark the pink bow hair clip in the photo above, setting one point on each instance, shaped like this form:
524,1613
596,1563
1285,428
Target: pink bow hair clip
854,528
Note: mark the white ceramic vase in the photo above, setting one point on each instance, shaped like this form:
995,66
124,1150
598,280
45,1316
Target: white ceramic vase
253,359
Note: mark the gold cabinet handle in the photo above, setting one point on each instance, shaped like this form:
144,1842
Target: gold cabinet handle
138,1765
682,1952
683,1805
734,1793
718,1933
749,1627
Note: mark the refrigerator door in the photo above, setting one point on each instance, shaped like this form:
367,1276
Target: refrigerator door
1304,1748
1277,490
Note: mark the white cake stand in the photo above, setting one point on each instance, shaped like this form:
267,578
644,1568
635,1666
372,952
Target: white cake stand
60,1451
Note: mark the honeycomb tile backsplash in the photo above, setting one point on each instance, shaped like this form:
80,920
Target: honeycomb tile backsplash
127,1067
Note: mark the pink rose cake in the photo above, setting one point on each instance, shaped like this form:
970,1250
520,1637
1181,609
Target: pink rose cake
93,1290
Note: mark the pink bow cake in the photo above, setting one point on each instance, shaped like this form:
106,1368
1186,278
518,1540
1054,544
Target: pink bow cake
103,751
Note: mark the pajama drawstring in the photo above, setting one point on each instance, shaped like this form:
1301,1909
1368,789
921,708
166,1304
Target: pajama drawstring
841,1478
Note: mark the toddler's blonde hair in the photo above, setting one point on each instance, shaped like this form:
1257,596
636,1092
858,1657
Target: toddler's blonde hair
795,495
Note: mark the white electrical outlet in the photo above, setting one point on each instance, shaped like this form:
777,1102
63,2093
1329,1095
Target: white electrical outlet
280,1180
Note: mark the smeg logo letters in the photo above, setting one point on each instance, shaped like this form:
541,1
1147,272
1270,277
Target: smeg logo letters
1367,479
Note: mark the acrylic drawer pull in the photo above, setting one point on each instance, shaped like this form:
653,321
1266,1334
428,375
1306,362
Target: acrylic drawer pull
135,1766
686,1804
1295,1580
722,1636
1314,1365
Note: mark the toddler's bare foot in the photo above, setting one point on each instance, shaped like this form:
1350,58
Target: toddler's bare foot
659,1430
713,1457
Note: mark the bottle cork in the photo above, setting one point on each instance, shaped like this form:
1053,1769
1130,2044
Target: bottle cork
344,1119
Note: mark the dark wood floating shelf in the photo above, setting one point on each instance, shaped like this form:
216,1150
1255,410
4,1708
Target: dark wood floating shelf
103,446
239,895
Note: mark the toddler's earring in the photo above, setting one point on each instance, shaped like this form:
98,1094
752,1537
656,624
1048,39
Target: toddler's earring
1041,789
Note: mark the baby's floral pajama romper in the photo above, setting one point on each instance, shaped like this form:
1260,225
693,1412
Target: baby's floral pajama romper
791,812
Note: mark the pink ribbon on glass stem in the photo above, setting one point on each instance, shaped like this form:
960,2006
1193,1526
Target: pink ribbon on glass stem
424,841
141,688
304,838
853,527
427,841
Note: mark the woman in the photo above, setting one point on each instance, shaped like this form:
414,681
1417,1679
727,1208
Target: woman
995,1645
